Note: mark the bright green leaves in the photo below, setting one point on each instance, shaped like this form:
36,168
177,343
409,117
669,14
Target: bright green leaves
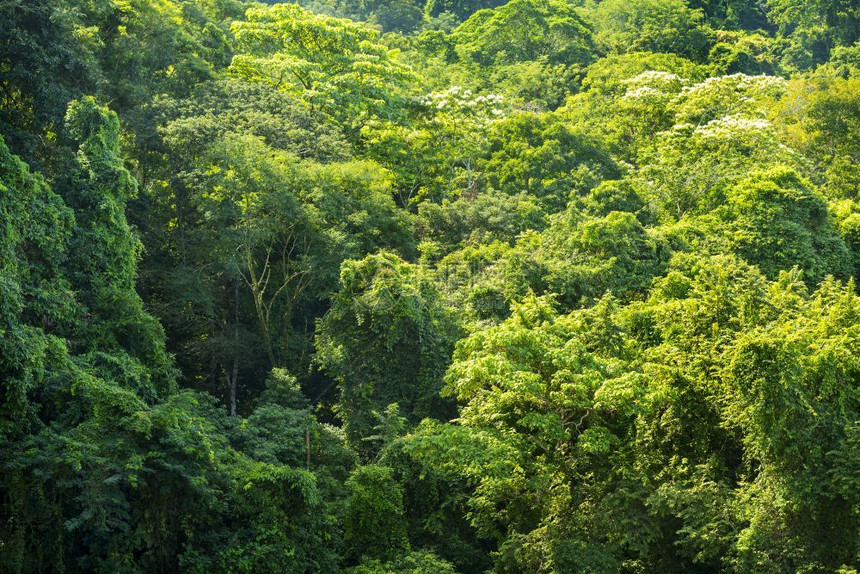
659,371
776,221
820,117
532,385
627,97
284,523
386,339
739,408
719,133
578,258
524,30
436,157
462,144
650,26
230,106
587,257
334,65
541,155
354,207
728,96
790,392
418,562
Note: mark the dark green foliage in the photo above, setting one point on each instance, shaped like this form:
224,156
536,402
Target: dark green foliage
745,53
402,15
482,219
35,297
374,525
814,28
420,562
461,8
435,501
43,65
446,286
103,265
386,339
286,525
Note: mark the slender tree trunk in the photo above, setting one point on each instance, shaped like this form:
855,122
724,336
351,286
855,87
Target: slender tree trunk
233,376
258,289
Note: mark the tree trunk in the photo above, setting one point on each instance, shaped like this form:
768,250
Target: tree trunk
233,376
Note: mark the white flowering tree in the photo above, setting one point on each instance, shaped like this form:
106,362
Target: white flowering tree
626,99
459,124
720,132
646,104
435,157
733,95
692,166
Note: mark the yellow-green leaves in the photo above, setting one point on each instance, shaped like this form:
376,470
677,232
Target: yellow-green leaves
335,65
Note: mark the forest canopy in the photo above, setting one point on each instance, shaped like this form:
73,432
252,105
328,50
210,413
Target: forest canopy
430,286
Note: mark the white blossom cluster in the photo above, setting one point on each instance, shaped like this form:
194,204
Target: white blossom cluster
651,86
644,92
460,99
732,126
737,83
656,79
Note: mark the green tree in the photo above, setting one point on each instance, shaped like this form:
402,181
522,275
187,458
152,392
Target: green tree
46,58
374,525
189,273
539,155
523,30
461,8
820,118
36,299
335,65
386,339
436,157
400,15
777,221
650,26
646,418
627,99
814,28
102,267
418,562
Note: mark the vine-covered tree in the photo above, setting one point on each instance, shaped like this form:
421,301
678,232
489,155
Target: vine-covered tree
429,286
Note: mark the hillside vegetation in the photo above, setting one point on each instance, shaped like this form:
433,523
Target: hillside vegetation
430,287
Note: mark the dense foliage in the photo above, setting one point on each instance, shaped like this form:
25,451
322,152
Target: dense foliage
432,286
